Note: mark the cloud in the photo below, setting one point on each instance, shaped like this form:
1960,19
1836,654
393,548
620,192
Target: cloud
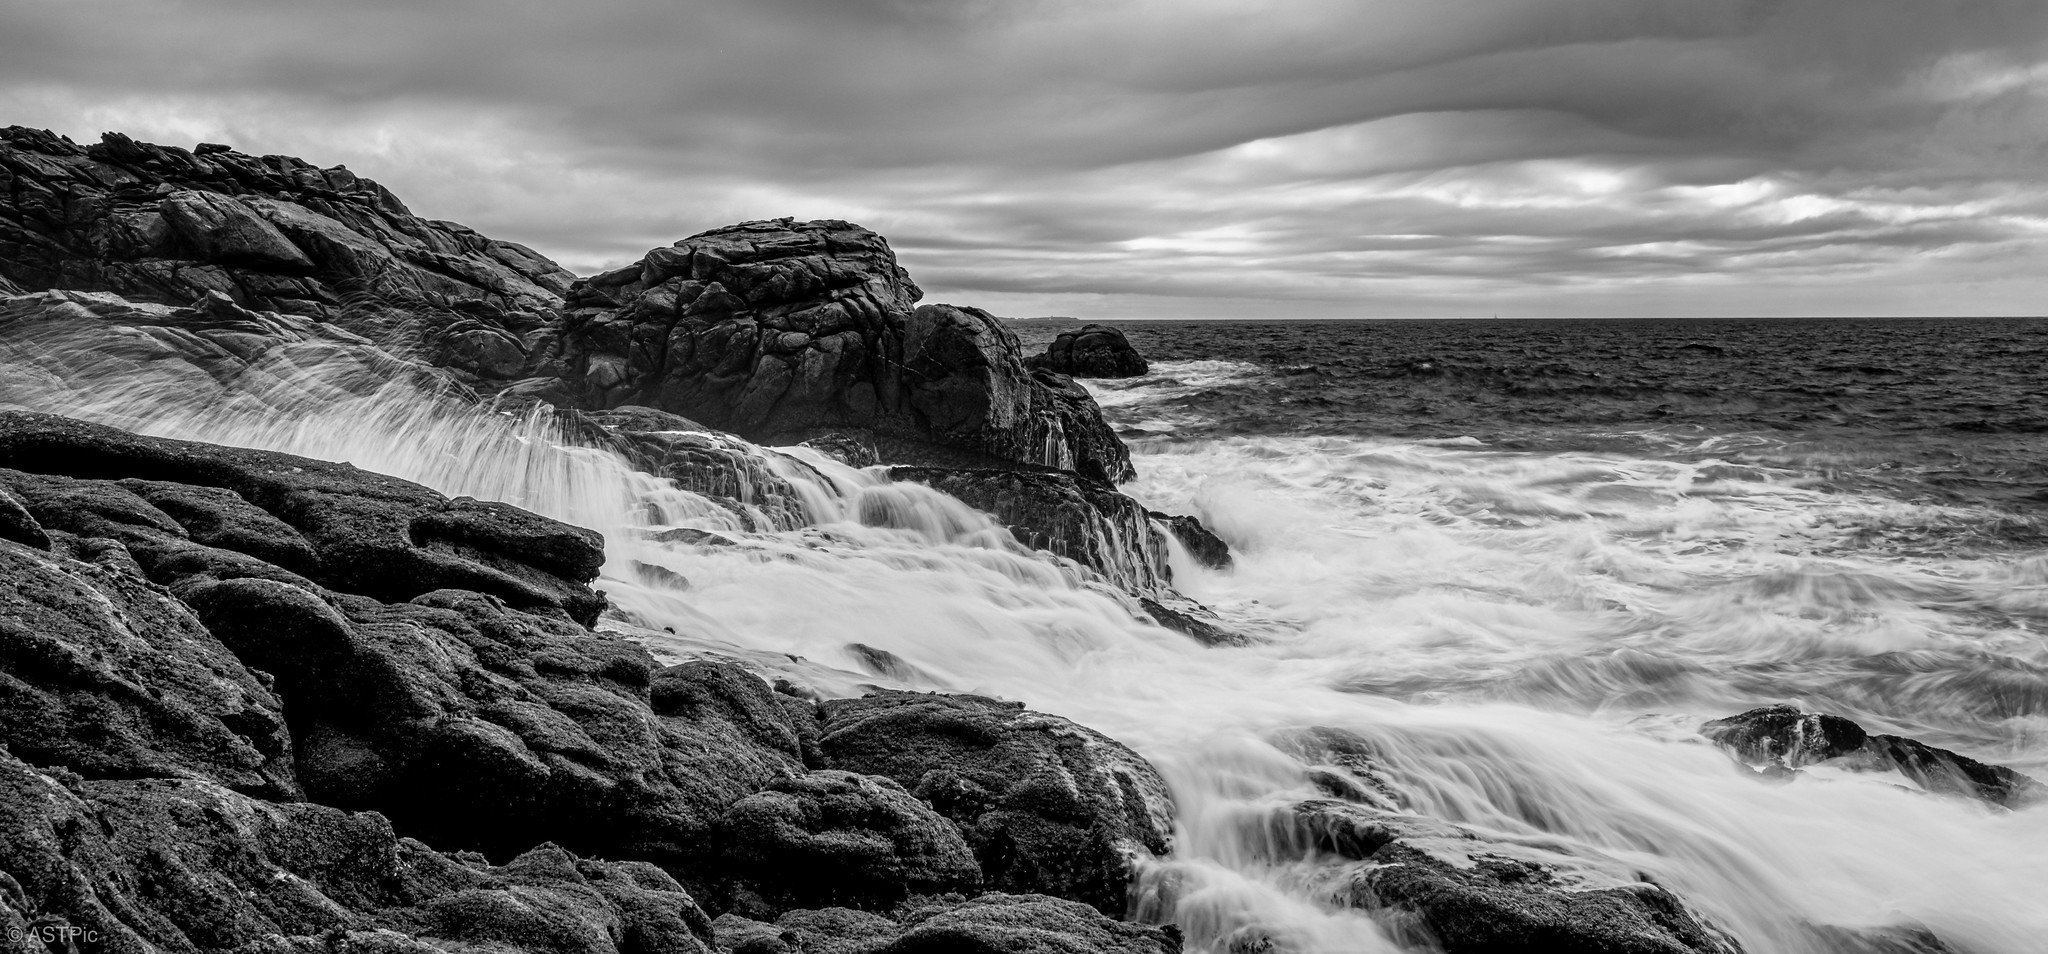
1148,157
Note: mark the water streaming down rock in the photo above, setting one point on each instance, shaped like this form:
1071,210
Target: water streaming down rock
937,596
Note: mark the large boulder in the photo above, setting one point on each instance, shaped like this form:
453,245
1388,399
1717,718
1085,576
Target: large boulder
168,225
1782,737
184,865
780,331
1091,351
1048,806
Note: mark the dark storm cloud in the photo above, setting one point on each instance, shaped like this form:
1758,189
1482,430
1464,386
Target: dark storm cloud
1369,155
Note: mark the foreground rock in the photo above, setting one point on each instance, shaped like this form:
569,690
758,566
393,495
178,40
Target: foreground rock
1048,806
1091,351
430,655
156,864
782,331
163,224
990,924
1783,737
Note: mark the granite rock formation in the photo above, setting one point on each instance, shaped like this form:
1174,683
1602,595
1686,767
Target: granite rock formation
781,331
1782,738
1047,805
273,233
1091,351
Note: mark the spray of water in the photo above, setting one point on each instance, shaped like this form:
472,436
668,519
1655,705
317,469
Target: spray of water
1526,641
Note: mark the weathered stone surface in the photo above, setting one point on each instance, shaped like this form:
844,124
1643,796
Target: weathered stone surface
110,677
781,331
1783,737
989,924
186,865
843,839
1047,805
161,224
1091,351
1437,885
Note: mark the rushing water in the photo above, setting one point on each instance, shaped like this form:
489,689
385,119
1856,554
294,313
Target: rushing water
1528,636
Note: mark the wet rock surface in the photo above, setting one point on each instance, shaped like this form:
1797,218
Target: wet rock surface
1079,519
1449,888
1048,806
1091,351
780,331
1782,737
274,233
830,838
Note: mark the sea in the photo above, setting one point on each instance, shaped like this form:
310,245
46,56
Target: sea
1520,561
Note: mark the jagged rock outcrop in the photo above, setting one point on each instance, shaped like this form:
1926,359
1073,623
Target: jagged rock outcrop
185,865
1091,351
780,331
1782,737
990,924
1048,806
164,224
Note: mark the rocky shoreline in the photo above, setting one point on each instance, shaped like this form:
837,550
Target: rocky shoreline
261,703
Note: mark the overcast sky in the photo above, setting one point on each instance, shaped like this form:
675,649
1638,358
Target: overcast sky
1156,158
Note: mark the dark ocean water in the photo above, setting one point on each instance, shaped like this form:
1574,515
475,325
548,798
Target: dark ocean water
1938,409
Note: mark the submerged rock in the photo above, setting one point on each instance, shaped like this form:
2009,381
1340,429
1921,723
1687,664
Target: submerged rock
1048,806
1091,351
163,224
1437,885
782,331
1784,737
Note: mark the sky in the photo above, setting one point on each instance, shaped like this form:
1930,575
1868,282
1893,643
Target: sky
1121,159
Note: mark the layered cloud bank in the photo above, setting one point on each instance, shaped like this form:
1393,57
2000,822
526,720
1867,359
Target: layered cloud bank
1124,159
